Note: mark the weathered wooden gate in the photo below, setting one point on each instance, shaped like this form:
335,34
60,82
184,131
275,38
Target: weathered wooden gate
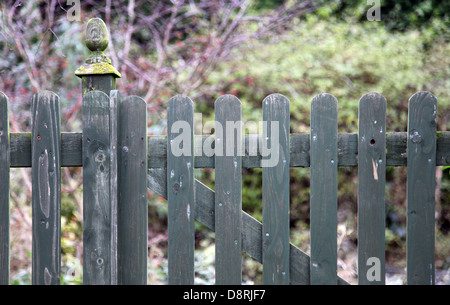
120,161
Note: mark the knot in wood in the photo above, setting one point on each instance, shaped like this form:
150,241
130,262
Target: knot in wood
415,136
100,157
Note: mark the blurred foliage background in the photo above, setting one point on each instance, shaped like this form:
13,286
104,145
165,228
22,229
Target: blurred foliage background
250,49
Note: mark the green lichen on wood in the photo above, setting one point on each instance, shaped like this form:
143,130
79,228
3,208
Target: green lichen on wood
97,40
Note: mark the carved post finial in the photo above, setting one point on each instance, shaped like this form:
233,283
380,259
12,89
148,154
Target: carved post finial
97,40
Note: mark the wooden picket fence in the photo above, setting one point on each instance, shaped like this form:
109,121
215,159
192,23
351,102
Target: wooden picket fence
120,161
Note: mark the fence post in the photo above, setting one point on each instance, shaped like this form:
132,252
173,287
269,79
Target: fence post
4,190
99,212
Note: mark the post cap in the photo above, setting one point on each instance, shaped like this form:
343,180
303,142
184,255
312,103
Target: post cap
97,40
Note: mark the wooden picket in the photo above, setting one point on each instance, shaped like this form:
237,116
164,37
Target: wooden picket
132,209
180,189
420,189
120,162
98,259
46,188
275,197
371,186
228,185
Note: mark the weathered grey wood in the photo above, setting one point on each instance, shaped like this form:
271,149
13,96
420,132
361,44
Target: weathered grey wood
96,189
180,195
99,155
275,190
228,186
442,148
371,189
46,189
421,188
104,83
347,151
114,179
323,187
4,190
132,206
21,149
97,73
396,155
251,228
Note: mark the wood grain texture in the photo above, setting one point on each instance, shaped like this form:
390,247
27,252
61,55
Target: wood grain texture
323,186
132,205
180,194
46,189
396,155
371,188
275,191
420,189
4,190
96,189
228,186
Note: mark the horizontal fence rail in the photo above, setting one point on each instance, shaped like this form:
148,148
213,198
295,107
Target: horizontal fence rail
396,150
125,162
